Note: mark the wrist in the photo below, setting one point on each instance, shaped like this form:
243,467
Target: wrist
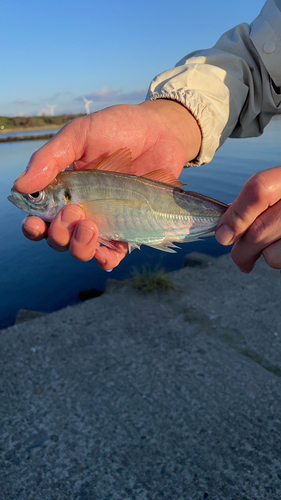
180,122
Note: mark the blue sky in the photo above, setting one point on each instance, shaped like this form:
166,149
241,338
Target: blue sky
54,52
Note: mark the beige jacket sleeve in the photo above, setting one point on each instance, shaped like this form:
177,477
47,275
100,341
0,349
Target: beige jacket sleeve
232,89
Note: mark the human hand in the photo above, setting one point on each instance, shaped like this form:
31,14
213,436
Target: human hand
253,222
160,134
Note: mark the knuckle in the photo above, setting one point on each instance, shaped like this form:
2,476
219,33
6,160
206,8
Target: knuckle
237,216
235,220
257,186
256,231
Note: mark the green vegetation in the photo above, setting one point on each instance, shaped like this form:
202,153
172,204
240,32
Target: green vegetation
149,280
34,121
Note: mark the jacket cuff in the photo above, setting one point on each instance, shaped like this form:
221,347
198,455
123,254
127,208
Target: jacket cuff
197,107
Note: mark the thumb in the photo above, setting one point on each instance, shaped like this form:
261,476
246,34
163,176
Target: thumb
259,193
61,151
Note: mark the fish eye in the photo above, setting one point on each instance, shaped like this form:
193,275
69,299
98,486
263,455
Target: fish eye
67,196
37,196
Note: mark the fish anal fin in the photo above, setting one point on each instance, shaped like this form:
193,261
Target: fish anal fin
120,161
165,176
164,245
132,246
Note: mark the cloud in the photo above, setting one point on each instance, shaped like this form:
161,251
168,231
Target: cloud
107,95
21,101
60,95
104,92
67,102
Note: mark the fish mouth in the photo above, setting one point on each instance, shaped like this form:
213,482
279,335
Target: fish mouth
18,199
12,200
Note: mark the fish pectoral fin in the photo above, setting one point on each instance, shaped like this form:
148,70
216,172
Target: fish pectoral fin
120,161
164,245
111,244
107,243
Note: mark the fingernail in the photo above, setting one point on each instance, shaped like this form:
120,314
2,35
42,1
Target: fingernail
68,216
242,270
109,270
83,235
224,235
31,232
246,271
20,176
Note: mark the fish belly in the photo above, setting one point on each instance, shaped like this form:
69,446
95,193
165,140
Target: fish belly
142,213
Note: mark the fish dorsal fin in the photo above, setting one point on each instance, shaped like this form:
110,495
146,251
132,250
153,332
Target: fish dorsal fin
120,161
163,175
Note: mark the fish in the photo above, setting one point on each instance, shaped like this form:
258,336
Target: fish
151,209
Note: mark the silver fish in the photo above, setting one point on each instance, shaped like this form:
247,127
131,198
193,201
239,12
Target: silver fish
152,209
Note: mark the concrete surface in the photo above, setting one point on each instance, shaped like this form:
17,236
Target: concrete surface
128,396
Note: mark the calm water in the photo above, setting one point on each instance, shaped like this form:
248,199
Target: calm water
33,276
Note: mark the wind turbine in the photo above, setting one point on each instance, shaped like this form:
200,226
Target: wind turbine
87,104
51,108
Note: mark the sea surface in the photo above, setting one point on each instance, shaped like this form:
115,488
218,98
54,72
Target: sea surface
33,276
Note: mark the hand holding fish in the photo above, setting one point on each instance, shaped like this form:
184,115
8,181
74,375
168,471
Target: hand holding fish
252,222
157,133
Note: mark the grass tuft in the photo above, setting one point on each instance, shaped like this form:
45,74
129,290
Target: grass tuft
148,280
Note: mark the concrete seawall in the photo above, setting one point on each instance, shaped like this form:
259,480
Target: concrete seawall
127,396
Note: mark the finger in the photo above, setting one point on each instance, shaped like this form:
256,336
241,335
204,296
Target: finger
84,241
264,232
63,225
108,258
34,229
272,255
62,150
261,191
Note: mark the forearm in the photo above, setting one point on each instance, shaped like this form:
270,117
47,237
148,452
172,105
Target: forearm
228,88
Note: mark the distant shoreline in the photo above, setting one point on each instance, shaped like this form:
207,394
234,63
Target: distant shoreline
32,137
30,129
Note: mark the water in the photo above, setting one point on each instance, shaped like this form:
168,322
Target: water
33,276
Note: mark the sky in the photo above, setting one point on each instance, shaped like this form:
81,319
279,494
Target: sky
55,52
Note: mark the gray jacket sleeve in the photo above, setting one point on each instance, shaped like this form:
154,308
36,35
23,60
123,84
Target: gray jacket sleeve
232,89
